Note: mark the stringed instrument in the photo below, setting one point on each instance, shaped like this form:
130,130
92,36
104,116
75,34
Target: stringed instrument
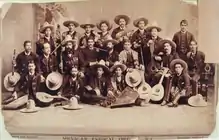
47,98
157,91
152,66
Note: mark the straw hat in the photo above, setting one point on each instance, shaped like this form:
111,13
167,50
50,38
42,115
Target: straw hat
178,61
54,81
110,26
45,26
101,64
110,40
135,23
30,108
197,101
87,23
11,80
125,17
133,78
67,39
118,64
73,104
152,26
67,22
167,40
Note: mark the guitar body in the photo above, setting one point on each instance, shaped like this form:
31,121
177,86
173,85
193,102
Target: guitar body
157,92
144,91
152,67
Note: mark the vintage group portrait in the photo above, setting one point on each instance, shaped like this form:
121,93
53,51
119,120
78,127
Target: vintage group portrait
103,67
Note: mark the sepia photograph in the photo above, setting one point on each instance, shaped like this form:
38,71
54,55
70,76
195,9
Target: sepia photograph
106,67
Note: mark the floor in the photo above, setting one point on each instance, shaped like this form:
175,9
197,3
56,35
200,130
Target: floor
94,120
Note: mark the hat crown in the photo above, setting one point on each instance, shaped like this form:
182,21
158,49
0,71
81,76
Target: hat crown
30,104
154,23
102,62
133,79
73,102
11,80
117,63
45,24
53,81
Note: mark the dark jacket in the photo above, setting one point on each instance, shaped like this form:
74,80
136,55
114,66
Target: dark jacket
196,63
83,39
47,67
22,62
89,56
167,59
115,31
117,86
39,45
112,58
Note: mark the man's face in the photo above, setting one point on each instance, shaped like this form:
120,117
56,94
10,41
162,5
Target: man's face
141,25
46,49
127,46
90,43
48,32
109,45
154,32
118,71
167,48
71,27
193,46
74,71
31,67
178,68
28,47
100,72
88,29
69,45
183,27
122,22
103,27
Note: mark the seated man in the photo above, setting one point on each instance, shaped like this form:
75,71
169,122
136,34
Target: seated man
98,85
180,85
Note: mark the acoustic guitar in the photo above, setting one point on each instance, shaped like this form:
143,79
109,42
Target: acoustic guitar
157,92
152,66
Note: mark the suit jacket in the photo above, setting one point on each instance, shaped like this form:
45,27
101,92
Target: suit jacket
47,67
177,40
112,58
123,56
89,56
40,42
196,63
115,31
167,59
138,37
22,62
113,85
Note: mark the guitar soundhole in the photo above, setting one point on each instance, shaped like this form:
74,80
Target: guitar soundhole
144,88
157,90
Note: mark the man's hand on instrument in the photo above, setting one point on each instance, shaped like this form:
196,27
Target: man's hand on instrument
63,49
110,94
141,67
59,94
14,95
150,42
158,58
107,63
61,66
14,63
42,79
136,45
81,74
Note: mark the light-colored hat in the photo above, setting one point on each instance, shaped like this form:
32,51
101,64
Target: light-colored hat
45,26
11,80
118,64
87,23
178,61
30,108
110,26
17,103
135,23
67,39
67,22
102,64
54,80
133,78
125,17
73,104
152,26
110,40
167,40
197,101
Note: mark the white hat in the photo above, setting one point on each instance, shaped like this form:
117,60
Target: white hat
11,80
73,104
54,80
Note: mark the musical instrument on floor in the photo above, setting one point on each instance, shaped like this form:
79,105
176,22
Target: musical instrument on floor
47,98
157,91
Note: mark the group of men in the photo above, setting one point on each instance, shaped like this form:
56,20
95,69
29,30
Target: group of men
96,67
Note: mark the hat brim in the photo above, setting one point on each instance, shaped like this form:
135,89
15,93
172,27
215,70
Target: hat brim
42,30
105,68
7,86
32,110
135,23
152,27
84,25
122,66
129,83
192,102
110,26
125,17
110,40
178,61
52,75
67,107
66,23
65,42
172,44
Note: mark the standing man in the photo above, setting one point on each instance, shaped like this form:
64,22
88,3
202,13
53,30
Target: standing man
183,39
196,63
71,25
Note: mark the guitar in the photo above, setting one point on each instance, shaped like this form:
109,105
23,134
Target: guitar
152,66
47,98
157,92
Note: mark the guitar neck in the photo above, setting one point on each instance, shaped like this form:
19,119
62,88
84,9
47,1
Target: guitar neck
162,77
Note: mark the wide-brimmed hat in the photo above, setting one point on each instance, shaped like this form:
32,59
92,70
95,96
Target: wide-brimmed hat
110,26
68,38
87,23
118,64
125,17
67,22
167,40
197,101
15,104
11,80
110,40
30,107
54,81
178,61
152,26
135,23
45,26
101,64
73,104
133,78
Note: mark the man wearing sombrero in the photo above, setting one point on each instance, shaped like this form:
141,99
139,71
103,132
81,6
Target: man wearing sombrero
71,25
47,30
180,85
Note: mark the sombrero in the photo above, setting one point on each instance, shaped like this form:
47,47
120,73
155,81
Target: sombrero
135,23
125,17
167,40
110,40
11,80
67,22
133,78
67,39
178,61
102,64
54,81
45,26
110,26
152,26
118,64
87,23
30,108
73,104
197,101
